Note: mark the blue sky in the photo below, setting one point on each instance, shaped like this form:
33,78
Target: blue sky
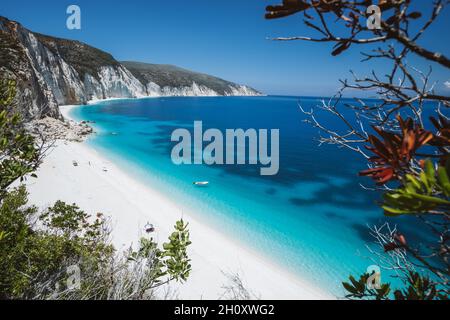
222,38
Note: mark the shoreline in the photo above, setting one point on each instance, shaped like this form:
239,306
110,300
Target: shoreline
98,185
97,101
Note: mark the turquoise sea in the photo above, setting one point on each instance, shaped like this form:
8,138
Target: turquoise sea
311,218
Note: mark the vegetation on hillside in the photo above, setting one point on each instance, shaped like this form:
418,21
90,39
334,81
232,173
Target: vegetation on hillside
176,77
84,58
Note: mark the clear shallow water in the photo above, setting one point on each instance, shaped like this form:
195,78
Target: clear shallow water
310,218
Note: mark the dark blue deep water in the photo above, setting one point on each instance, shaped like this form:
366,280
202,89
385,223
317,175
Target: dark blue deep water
310,218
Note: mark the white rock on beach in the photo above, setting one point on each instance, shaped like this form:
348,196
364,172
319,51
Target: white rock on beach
53,129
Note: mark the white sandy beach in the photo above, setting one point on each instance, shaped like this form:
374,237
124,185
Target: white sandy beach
97,185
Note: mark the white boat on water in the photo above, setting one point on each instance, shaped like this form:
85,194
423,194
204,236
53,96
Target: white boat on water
201,183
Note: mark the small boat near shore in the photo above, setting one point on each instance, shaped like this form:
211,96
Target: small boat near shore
201,183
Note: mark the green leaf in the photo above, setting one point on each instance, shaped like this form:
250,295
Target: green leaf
414,181
444,180
349,288
431,199
393,211
430,172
